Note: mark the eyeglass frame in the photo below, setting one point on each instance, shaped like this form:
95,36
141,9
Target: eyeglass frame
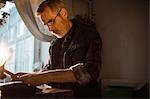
51,21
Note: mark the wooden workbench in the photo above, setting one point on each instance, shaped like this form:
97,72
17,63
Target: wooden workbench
20,90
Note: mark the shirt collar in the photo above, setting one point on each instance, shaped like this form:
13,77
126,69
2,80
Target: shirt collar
70,32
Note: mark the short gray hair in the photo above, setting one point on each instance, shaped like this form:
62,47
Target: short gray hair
54,5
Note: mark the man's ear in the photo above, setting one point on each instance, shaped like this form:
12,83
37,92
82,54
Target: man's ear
64,12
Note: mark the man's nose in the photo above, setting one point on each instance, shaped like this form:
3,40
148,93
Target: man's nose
50,27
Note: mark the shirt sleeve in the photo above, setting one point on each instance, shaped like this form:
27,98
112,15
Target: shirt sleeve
81,74
89,70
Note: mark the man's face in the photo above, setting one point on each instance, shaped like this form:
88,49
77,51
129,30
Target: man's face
54,21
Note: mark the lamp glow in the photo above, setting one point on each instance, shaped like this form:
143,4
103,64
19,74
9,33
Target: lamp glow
4,53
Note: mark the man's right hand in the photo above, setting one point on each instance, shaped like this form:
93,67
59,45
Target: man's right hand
17,75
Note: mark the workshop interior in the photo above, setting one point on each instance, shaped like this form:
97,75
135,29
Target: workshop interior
122,24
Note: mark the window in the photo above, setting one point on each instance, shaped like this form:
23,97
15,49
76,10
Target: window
11,62
21,28
27,53
12,32
20,41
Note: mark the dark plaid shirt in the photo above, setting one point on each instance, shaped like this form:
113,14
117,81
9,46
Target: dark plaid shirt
82,45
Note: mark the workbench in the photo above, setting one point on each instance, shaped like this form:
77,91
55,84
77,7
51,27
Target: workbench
13,90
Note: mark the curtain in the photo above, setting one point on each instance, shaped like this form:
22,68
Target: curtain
27,13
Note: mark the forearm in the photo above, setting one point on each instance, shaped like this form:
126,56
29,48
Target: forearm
59,76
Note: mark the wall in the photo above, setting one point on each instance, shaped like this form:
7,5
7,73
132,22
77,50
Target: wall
123,27
79,7
149,46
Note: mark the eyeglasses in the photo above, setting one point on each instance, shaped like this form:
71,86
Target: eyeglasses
51,21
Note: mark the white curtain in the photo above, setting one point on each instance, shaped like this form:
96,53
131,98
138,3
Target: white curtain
26,9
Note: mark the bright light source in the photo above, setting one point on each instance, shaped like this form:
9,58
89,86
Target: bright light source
4,53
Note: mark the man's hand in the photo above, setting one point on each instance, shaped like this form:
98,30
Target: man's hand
58,75
30,78
17,75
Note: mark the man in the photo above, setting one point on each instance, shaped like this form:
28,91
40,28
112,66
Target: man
74,54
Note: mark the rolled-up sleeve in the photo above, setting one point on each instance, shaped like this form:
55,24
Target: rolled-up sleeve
89,70
81,73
